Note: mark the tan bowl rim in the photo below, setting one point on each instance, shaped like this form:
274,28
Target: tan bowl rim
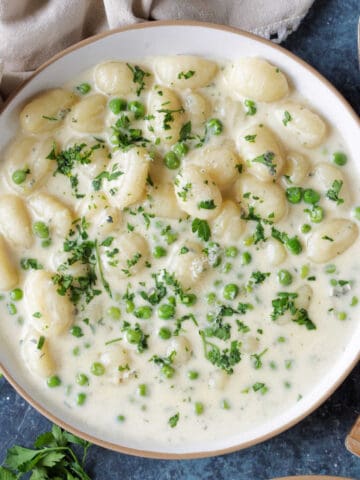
163,455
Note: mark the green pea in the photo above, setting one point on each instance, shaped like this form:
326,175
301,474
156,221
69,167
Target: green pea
246,258
97,369
81,399
214,126
83,88
354,301
180,149
114,313
341,315
46,243
172,300
188,299
117,105
225,405
76,331
159,252
53,381
168,371
120,418
171,160
82,379
130,306
227,268
211,298
316,214
19,176
311,196
164,333
305,228
339,158
294,194
231,291
16,294
11,309
142,390
144,313
170,237
284,277
357,213
41,230
294,245
137,108
166,311
76,351
193,374
231,252
133,336
199,408
329,269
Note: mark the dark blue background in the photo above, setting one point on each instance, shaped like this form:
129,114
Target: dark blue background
327,40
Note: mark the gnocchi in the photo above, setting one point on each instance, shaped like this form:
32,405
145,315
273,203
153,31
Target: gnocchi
47,111
15,221
184,71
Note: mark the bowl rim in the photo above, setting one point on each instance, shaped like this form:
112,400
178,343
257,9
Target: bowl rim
207,453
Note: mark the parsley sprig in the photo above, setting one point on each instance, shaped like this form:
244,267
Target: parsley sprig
52,457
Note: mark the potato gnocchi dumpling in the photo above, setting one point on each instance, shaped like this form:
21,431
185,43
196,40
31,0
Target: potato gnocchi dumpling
257,79
267,199
222,163
129,171
49,314
88,115
125,256
117,363
331,239
184,71
8,272
197,193
228,226
166,114
305,126
53,212
47,111
197,106
297,167
27,164
114,78
15,222
36,352
261,152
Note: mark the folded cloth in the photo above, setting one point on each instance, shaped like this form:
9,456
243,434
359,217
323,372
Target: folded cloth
32,31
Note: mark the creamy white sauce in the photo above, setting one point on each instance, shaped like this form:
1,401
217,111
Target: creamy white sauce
293,358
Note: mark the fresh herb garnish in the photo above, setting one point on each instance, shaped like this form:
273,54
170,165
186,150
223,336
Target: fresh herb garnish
201,227
186,75
30,263
207,204
285,302
225,359
333,192
53,456
138,77
173,420
287,118
267,160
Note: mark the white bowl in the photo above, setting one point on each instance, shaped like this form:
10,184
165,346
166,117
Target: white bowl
168,38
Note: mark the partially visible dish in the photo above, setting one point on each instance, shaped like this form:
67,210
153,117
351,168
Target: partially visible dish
159,210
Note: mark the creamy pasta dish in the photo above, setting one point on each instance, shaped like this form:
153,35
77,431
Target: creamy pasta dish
179,251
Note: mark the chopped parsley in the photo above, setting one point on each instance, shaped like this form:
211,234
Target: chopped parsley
201,227
285,302
225,359
173,420
169,116
138,77
185,132
250,107
334,191
186,75
30,263
207,204
267,160
109,176
287,118
67,159
250,138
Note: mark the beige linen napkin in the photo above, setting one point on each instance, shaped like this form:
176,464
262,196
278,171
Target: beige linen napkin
31,31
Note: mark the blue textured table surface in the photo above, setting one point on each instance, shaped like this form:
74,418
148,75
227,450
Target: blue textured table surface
327,40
